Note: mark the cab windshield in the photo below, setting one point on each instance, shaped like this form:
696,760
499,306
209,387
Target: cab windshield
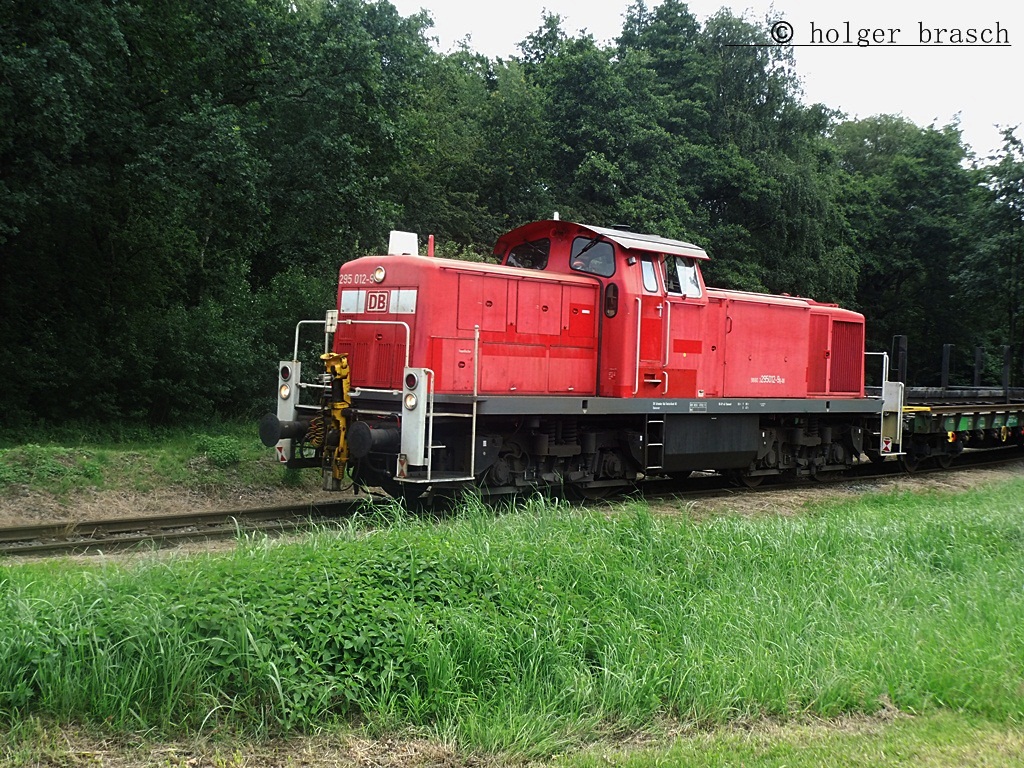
681,276
593,256
530,255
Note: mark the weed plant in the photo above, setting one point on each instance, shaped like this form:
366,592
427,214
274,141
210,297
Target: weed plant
538,627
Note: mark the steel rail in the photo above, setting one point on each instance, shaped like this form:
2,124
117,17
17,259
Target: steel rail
717,486
97,536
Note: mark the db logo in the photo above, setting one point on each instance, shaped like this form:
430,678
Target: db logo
377,301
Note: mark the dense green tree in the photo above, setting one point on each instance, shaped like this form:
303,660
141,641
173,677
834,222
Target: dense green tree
667,41
518,149
612,158
158,162
990,278
440,178
335,122
909,197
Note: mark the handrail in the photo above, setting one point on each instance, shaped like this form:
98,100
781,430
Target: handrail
668,333
636,368
885,363
298,325
476,396
430,416
298,328
892,408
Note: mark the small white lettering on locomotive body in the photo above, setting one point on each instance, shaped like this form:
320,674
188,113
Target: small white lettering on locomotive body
354,278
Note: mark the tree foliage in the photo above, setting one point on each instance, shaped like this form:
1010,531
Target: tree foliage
160,167
179,181
912,199
990,282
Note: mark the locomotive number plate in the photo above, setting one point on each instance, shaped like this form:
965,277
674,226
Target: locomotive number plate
349,278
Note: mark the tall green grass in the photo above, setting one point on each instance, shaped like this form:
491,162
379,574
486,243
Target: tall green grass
541,626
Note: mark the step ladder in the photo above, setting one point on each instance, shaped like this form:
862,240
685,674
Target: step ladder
654,442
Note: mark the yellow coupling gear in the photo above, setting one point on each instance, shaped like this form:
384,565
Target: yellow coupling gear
338,368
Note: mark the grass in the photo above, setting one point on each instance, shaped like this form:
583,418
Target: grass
540,629
931,741
220,458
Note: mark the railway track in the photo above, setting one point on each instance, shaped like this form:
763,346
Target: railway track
105,536
717,486
102,536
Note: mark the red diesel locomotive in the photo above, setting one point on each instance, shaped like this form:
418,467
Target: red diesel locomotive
589,359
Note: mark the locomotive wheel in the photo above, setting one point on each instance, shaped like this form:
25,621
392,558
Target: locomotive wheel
910,463
944,460
747,481
582,493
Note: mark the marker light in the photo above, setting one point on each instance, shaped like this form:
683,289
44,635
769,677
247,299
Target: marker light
410,402
411,380
286,373
285,391
378,275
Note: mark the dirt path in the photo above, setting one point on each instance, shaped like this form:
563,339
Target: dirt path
37,508
793,501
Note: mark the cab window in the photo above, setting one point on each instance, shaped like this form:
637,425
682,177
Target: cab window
681,276
650,277
530,255
592,256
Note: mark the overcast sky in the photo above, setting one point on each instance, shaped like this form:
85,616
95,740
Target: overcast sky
926,84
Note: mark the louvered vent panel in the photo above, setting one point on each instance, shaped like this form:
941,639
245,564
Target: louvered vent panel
847,357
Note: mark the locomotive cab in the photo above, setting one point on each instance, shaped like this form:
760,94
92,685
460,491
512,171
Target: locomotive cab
652,289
